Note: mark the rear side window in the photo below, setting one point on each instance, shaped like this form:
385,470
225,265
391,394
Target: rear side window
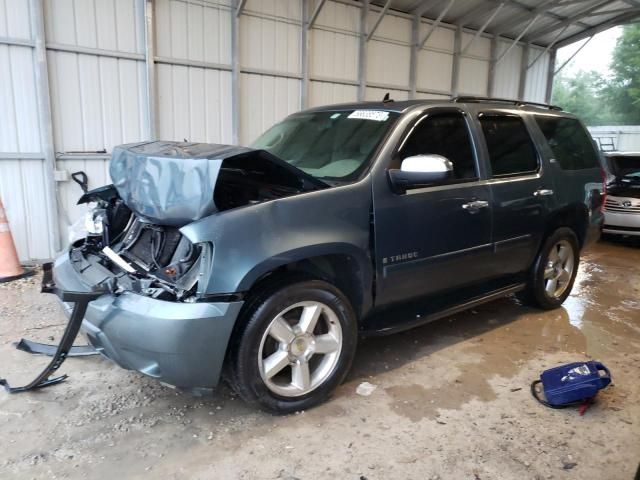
571,144
511,150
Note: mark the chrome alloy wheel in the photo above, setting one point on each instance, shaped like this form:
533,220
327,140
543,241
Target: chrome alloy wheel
559,269
300,349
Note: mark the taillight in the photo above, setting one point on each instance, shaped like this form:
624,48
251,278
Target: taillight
603,194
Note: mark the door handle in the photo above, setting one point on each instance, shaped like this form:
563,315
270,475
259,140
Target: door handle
543,192
475,205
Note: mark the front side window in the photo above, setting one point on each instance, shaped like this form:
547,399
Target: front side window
333,145
443,134
571,144
511,150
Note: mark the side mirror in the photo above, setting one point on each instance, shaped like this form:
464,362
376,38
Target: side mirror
421,170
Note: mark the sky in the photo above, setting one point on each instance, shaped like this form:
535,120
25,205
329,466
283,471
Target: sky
595,56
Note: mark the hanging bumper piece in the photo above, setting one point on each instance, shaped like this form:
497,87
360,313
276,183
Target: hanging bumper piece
81,301
48,350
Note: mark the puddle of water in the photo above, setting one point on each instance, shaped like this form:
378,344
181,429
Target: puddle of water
599,319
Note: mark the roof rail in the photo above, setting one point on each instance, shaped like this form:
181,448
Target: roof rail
517,103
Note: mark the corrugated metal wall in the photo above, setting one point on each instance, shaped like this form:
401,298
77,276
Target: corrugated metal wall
95,55
22,175
623,138
194,102
98,82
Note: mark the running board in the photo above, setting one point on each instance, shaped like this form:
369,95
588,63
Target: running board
421,319
81,301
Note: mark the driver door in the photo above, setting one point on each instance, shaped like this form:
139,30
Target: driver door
435,237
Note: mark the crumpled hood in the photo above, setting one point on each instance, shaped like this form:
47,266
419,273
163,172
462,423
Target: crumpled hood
173,183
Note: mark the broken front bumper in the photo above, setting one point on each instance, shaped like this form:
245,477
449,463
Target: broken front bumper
80,301
180,344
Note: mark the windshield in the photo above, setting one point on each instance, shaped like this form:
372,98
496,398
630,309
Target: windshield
626,166
329,145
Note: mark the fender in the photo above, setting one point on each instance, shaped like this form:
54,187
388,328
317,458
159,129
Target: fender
250,241
306,253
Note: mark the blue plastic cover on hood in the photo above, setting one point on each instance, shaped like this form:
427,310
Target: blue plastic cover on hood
170,183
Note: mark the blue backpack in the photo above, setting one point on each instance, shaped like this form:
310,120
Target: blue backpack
571,384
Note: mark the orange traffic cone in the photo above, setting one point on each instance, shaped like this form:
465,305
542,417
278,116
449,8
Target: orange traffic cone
10,268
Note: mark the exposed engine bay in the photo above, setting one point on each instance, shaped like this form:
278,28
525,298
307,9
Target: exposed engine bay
133,240
133,254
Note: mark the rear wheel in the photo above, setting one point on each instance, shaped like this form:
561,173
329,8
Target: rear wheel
295,347
554,271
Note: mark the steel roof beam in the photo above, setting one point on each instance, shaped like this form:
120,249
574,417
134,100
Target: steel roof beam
316,12
240,7
614,12
545,13
435,24
384,11
421,6
471,14
516,20
567,21
482,28
612,22
573,55
518,38
566,3
549,47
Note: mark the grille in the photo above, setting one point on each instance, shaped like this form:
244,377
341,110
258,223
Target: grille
616,205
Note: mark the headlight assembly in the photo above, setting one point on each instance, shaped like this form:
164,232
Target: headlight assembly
94,221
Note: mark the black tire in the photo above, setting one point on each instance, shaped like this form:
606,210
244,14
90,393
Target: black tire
535,294
244,373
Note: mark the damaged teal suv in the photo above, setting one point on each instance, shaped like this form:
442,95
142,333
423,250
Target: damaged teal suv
264,265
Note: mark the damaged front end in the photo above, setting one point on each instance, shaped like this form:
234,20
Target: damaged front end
127,253
136,284
134,237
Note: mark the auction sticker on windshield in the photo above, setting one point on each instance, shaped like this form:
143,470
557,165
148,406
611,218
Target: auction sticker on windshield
375,115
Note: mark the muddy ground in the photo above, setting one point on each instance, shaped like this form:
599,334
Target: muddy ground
452,401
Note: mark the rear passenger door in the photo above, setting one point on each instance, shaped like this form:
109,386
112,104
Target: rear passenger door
521,195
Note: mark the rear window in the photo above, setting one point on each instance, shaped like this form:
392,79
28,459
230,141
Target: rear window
571,144
511,150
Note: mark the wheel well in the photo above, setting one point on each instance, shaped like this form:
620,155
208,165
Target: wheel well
342,271
575,217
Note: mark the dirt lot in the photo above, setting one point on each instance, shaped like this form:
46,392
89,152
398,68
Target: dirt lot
452,401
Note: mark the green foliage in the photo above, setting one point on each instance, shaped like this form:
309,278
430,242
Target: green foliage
582,95
623,90
606,101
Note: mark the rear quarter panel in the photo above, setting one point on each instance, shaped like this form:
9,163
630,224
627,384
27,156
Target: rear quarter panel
582,188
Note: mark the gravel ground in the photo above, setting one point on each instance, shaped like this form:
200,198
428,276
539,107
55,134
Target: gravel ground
451,401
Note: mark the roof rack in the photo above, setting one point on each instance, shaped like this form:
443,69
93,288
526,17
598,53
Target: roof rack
517,103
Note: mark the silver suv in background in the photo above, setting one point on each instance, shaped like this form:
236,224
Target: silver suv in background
622,205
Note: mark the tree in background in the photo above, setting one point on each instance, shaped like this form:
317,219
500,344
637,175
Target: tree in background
600,100
623,89
582,95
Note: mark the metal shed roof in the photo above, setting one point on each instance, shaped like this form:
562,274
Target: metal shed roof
554,23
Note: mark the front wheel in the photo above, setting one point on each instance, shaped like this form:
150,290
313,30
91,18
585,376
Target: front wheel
295,346
554,270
